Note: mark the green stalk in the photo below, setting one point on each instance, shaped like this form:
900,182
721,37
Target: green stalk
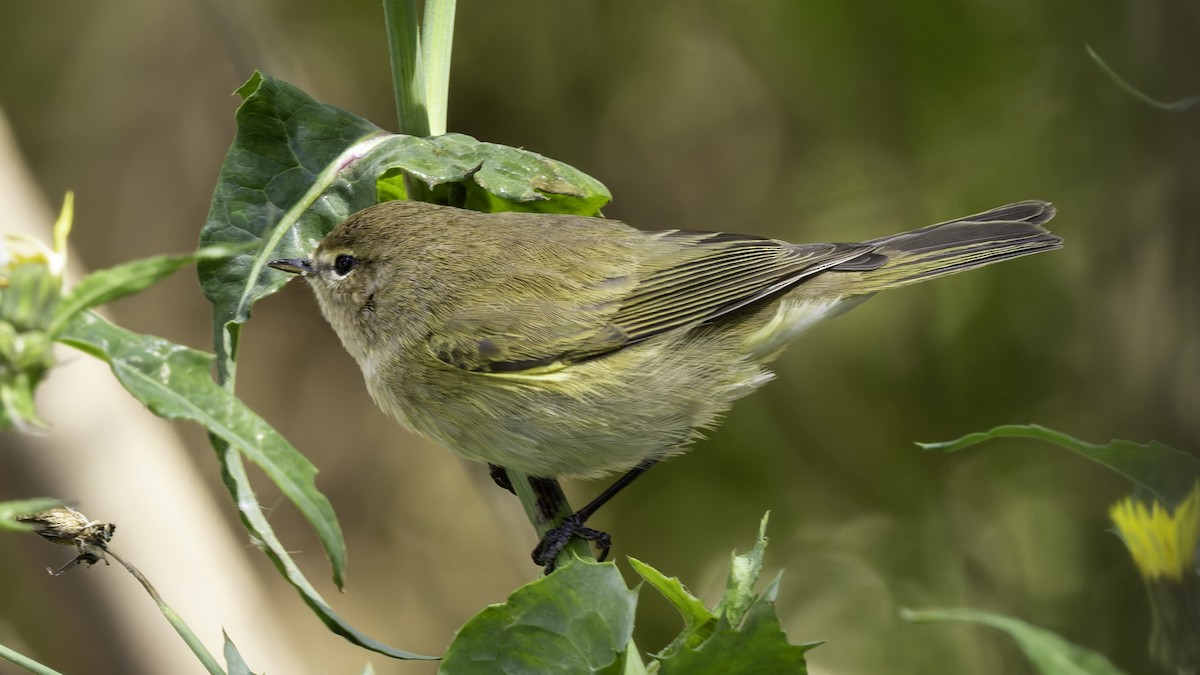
404,50
26,662
436,42
421,81
545,505
198,649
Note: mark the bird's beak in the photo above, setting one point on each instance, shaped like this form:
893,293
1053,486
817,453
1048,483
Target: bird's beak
301,266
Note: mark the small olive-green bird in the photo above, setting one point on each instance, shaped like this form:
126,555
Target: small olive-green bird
572,346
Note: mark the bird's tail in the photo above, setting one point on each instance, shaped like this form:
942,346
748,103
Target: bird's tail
953,246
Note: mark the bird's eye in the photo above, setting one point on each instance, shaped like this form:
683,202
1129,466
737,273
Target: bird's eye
343,264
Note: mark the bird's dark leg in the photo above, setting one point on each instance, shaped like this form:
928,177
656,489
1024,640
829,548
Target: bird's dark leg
500,477
572,526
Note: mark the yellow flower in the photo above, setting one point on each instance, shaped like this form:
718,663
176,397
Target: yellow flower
1162,543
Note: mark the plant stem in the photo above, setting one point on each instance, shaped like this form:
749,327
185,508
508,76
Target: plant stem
26,662
436,41
404,50
198,649
421,81
545,506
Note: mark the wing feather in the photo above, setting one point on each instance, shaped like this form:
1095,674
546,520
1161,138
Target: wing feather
685,279
709,276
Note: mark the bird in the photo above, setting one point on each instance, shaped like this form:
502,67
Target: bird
568,346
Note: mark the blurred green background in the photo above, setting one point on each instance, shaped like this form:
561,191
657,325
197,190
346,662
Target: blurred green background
803,120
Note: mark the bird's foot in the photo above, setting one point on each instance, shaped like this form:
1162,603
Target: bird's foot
500,477
547,550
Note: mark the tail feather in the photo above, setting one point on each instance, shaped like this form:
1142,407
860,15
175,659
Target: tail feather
954,246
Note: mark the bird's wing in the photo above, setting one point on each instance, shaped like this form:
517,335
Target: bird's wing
686,279
709,275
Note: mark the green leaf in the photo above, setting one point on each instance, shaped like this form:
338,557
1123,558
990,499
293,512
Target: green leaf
577,620
10,511
743,574
698,621
1166,472
255,522
756,645
111,284
633,660
233,659
17,404
512,179
298,167
26,662
742,635
175,382
29,296
1051,654
279,188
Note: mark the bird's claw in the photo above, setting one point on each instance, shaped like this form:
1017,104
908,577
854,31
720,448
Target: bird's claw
500,477
557,539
